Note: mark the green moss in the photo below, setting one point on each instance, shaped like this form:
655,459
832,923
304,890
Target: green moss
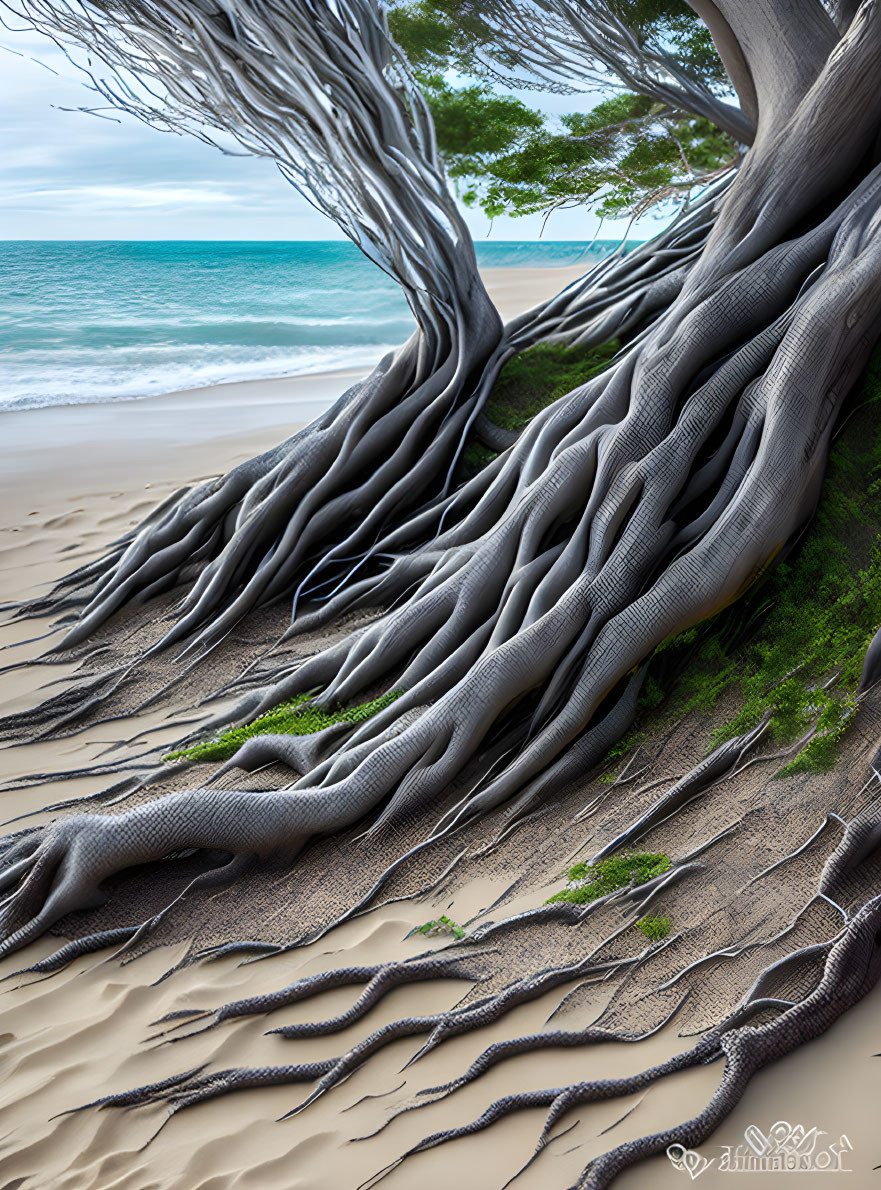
795,644
654,928
298,716
443,925
529,383
821,752
539,376
590,881
475,456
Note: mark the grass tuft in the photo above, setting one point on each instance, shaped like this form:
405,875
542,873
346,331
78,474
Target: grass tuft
654,928
443,925
589,882
297,716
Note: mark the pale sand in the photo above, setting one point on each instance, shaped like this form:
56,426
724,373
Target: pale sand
77,477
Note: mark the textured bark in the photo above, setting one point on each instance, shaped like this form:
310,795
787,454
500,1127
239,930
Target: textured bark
772,52
524,602
626,512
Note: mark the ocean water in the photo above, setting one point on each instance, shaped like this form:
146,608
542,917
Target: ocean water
106,321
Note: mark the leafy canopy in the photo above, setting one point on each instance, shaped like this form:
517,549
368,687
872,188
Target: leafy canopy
622,156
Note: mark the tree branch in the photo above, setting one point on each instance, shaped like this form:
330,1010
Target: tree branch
587,40
772,51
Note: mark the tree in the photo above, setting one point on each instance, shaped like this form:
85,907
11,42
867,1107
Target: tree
668,132
524,601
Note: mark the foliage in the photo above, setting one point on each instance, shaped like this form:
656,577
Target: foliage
654,928
622,156
443,925
795,644
298,716
591,881
438,35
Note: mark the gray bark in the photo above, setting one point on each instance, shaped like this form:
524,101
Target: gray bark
524,600
770,328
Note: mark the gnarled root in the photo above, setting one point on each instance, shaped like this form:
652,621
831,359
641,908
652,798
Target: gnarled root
852,968
60,868
440,1026
637,506
379,981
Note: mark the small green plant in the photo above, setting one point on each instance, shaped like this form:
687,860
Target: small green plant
654,928
443,925
588,882
821,752
794,645
297,716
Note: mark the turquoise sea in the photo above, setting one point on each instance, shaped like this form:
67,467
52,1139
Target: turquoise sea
92,321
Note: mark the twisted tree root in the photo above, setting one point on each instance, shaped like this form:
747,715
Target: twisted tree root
533,608
379,979
75,949
712,769
852,968
332,1072
524,601
501,1051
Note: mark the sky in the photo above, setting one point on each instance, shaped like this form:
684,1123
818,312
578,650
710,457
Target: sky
70,176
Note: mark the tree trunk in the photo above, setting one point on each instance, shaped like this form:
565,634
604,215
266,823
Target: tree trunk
524,602
642,503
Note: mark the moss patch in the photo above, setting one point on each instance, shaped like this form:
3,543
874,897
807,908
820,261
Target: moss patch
589,882
529,383
541,375
795,644
295,717
654,928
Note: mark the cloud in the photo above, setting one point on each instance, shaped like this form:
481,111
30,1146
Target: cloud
67,175
117,197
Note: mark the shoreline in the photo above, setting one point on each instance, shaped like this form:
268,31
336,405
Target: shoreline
111,447
513,291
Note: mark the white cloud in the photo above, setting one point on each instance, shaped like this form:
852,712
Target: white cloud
152,195
68,175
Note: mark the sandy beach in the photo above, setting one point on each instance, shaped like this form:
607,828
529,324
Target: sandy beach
71,479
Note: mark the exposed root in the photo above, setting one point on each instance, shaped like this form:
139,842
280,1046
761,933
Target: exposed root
641,894
501,1051
75,949
853,966
379,981
520,606
702,777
